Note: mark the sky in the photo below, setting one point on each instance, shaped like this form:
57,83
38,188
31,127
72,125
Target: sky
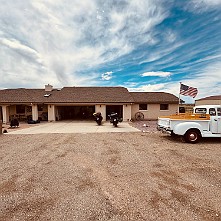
143,45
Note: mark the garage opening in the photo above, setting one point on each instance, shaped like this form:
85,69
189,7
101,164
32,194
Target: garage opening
1,118
114,108
76,112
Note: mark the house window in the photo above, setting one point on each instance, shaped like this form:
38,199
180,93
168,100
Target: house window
164,106
142,106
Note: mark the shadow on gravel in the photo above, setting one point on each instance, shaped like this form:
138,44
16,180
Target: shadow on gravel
178,139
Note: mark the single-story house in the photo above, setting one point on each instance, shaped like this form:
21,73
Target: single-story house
209,100
153,104
79,103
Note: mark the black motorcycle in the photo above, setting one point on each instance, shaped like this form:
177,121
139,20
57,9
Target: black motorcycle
115,119
98,118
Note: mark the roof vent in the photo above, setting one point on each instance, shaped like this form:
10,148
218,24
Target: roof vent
47,95
48,87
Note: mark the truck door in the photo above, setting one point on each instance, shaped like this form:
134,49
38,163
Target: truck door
213,121
219,119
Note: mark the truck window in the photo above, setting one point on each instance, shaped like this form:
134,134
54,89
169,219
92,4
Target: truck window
212,112
219,111
200,111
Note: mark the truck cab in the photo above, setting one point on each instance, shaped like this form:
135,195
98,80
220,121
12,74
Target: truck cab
215,116
204,122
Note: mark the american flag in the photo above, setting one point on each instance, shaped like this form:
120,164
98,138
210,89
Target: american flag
188,91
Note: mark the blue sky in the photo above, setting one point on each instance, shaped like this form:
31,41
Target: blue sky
144,45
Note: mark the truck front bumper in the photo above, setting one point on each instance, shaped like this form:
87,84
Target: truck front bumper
164,129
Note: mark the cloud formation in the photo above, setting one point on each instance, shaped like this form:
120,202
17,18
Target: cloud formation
147,44
156,74
107,76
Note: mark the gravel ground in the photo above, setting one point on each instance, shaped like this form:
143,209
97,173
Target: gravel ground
110,176
145,126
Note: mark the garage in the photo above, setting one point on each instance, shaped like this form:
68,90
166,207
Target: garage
114,108
75,112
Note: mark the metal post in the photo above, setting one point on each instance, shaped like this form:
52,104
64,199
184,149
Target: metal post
179,101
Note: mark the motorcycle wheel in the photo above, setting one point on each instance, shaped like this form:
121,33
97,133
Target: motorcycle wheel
115,123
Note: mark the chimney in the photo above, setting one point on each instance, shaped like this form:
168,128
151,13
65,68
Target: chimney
48,87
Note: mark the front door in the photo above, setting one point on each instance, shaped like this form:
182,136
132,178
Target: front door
214,124
219,124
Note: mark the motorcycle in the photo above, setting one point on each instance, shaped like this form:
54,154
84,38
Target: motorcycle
98,118
114,119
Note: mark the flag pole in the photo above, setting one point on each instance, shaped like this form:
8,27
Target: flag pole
178,111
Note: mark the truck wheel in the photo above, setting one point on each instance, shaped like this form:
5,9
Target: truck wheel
192,136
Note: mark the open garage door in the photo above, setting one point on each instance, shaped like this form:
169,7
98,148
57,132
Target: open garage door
1,118
76,112
114,108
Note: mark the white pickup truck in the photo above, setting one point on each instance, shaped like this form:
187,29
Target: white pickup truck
204,122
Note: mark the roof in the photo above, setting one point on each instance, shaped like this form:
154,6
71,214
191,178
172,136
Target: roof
84,95
154,97
217,97
67,95
208,106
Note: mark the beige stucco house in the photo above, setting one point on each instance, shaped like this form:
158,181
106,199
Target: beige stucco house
153,104
209,100
79,103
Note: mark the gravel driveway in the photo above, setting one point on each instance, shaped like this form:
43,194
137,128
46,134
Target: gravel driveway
109,176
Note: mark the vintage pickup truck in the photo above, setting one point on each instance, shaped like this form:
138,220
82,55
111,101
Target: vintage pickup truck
204,122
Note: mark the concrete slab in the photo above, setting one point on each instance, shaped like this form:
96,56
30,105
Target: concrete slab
74,127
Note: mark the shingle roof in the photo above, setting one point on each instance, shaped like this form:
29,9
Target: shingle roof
154,97
217,97
85,95
67,95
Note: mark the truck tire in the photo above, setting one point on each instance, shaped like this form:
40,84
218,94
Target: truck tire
192,136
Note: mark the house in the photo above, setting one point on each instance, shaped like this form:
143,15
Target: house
79,103
209,100
153,104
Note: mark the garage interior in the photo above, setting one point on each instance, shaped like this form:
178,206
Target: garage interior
114,108
76,112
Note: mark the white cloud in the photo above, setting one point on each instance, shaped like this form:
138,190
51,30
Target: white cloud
156,74
199,6
107,76
21,48
60,40
207,2
149,88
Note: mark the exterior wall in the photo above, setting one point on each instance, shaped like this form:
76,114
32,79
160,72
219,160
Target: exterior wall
51,113
208,102
12,110
154,111
102,109
126,112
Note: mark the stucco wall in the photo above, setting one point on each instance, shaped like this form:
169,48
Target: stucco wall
12,110
204,102
126,112
51,113
154,111
102,109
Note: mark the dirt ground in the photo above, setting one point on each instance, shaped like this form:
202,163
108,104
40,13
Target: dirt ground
109,176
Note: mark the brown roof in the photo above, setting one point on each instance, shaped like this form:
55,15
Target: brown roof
217,97
154,97
67,95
